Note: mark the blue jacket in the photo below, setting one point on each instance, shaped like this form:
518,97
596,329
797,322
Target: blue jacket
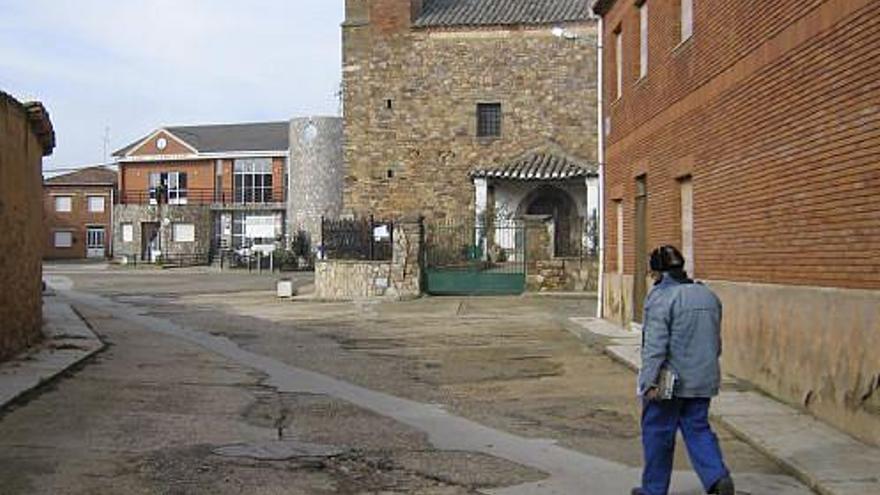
682,330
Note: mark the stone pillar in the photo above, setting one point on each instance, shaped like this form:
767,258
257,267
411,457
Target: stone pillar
406,272
481,214
591,242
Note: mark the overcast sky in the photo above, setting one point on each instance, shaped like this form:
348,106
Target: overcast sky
135,65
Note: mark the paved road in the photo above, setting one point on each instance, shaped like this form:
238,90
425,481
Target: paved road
441,396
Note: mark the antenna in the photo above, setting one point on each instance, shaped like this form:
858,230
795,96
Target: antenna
106,142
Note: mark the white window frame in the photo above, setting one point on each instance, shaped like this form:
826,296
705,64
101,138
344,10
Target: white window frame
69,204
58,245
188,235
127,232
686,8
89,200
618,60
643,40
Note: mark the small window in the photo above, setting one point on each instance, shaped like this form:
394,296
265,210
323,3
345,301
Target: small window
63,203
643,40
63,239
687,18
96,204
389,105
488,120
127,232
184,232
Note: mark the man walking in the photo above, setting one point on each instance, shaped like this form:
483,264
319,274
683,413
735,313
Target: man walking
681,339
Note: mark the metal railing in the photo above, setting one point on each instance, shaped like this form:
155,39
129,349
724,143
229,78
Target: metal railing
200,197
357,239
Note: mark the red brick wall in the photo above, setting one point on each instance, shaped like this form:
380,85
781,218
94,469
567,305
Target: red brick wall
773,110
135,177
75,221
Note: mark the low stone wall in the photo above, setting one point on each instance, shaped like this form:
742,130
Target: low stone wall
563,274
400,278
26,136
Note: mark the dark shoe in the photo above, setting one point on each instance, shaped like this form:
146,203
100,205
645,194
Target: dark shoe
636,491
724,486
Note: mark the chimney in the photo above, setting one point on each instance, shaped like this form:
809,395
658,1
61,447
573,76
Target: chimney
389,17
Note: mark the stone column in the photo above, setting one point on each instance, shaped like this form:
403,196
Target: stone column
481,212
406,274
592,221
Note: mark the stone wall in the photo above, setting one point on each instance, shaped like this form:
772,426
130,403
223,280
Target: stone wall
26,136
316,174
563,275
400,278
410,99
198,215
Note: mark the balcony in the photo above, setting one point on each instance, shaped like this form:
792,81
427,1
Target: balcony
219,200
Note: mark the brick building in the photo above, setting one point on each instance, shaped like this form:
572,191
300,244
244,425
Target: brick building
185,192
748,134
77,208
26,136
461,109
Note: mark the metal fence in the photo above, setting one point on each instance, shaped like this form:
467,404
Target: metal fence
199,196
357,239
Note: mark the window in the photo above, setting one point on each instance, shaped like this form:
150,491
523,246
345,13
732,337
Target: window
687,223
643,40
253,180
127,232
63,203
183,232
96,204
620,237
168,186
488,119
63,239
687,18
618,60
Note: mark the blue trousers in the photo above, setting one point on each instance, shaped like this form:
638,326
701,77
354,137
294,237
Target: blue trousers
660,421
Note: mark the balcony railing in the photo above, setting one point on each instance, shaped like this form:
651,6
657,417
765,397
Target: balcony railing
200,197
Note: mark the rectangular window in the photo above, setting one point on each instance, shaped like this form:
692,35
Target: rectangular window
687,223
96,204
63,203
252,180
618,60
168,187
488,119
620,237
127,232
63,239
687,19
643,40
183,232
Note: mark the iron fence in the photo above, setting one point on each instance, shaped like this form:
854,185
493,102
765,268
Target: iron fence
200,197
357,239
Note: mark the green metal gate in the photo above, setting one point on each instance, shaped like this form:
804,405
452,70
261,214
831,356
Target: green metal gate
473,259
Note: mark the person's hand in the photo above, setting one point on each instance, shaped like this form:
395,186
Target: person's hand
651,394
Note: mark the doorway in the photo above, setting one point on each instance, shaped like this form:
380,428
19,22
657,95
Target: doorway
95,242
150,242
640,276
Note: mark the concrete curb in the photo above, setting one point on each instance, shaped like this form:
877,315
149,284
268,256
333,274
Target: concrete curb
67,341
826,460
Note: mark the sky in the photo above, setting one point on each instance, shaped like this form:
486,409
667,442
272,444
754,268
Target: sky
132,66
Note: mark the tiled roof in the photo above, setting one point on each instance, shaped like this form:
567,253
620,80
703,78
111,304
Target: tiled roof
85,176
448,13
259,136
539,166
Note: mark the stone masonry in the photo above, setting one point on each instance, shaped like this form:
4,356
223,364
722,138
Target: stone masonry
410,97
397,279
316,174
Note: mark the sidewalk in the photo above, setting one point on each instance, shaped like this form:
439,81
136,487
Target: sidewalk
827,460
67,341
